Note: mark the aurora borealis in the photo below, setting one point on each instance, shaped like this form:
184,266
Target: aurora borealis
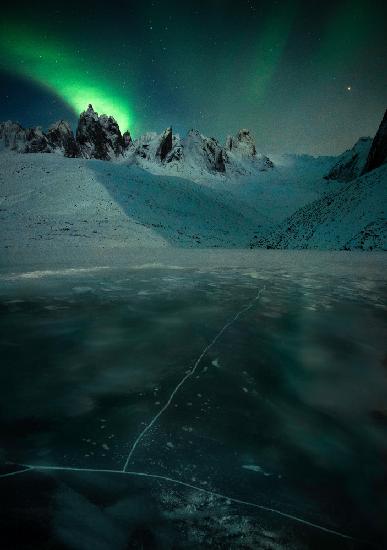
304,77
57,67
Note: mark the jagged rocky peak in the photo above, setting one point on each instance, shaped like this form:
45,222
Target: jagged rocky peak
13,136
96,137
127,139
90,136
162,148
242,154
246,142
351,163
37,141
166,144
243,143
113,134
61,138
90,113
205,150
145,146
378,151
99,136
24,140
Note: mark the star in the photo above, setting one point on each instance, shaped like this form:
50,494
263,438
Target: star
349,88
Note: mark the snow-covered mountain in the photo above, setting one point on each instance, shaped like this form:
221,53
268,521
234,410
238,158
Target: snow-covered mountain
351,163
76,210
163,190
352,217
24,140
99,137
378,152
366,155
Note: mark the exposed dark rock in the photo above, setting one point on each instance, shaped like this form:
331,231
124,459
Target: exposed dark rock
90,136
24,140
219,159
127,139
61,137
165,144
351,163
215,154
114,139
99,137
36,141
207,151
245,139
13,136
176,155
229,143
243,143
241,148
378,152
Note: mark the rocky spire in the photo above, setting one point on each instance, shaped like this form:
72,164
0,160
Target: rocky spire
36,141
13,136
99,137
165,145
241,154
127,138
350,164
205,151
378,152
60,136
90,136
243,142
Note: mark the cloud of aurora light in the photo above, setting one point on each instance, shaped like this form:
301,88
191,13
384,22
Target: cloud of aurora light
64,72
271,44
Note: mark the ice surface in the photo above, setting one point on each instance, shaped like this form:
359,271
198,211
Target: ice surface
84,374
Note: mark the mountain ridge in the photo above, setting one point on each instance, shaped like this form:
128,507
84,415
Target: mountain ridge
99,137
185,192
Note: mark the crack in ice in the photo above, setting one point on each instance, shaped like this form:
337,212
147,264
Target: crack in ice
16,472
29,467
189,374
124,471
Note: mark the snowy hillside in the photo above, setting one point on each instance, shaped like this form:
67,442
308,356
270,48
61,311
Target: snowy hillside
351,163
102,189
49,203
353,217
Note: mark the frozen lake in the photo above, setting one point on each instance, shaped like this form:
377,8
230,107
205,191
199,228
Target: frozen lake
186,404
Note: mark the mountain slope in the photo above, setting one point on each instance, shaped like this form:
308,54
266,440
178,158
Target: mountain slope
50,201
353,217
74,206
351,163
378,152
161,190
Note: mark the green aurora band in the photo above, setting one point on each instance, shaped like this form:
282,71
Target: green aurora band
271,45
63,72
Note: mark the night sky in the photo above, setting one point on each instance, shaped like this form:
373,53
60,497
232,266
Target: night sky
304,76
